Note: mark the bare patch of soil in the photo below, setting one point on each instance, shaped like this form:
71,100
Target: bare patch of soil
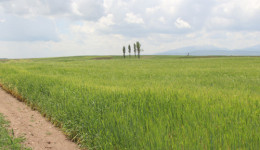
100,58
39,133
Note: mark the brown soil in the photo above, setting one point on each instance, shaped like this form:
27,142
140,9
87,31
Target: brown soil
39,133
100,58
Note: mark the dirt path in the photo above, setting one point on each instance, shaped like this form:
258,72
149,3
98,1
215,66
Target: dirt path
39,133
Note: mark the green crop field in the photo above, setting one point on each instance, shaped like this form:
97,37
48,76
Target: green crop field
157,102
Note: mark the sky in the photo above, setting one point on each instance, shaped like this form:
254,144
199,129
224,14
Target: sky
51,28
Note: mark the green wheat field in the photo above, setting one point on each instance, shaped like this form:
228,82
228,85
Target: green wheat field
156,102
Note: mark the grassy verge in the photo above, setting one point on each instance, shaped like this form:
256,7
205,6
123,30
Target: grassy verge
159,102
7,139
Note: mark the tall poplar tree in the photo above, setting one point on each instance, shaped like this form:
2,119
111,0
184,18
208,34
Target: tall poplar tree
129,50
124,51
135,49
138,46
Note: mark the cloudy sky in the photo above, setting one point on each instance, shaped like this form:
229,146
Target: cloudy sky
47,28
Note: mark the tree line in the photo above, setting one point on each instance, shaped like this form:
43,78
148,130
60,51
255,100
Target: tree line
137,48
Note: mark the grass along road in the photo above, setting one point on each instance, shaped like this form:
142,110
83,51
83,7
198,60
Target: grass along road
7,139
158,102
38,132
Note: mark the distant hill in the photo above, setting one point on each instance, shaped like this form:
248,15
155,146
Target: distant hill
212,50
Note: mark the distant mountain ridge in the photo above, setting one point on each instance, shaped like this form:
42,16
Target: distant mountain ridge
212,50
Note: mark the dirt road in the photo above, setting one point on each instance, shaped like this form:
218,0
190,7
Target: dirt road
39,133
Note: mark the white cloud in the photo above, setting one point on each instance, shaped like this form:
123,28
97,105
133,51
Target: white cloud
107,20
89,27
28,29
170,6
158,24
152,10
162,19
90,9
181,24
219,23
75,9
86,28
241,7
132,18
